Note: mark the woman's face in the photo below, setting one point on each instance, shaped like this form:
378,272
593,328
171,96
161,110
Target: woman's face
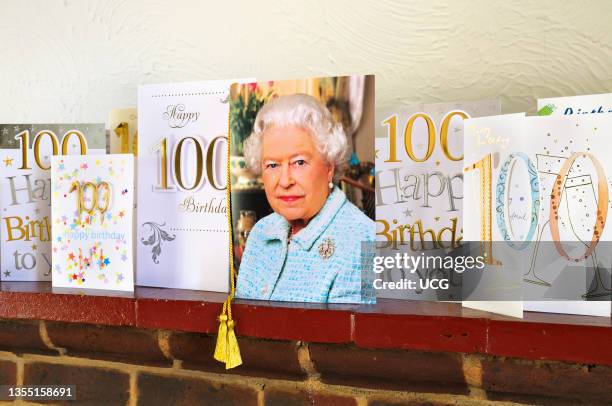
295,175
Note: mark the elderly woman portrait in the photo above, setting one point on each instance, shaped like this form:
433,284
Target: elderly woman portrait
309,248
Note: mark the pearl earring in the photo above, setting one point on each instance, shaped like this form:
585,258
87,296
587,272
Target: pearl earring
331,185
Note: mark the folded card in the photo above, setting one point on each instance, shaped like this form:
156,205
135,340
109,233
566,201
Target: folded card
541,187
489,186
572,105
25,191
570,153
419,183
123,131
183,233
92,221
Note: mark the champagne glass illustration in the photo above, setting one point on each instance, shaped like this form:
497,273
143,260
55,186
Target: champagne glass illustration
575,209
548,167
578,206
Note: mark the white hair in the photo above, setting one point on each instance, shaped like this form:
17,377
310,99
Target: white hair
304,111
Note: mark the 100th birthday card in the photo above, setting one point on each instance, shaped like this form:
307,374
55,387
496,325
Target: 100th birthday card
542,186
182,231
25,191
419,184
92,201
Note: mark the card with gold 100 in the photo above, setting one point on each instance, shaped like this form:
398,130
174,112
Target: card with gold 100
93,197
183,233
419,185
25,191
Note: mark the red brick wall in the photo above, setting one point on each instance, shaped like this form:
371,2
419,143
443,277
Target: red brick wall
124,365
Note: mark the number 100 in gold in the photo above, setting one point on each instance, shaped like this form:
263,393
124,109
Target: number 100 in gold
176,170
24,141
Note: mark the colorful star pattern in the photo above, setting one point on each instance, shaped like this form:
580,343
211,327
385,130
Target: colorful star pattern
89,257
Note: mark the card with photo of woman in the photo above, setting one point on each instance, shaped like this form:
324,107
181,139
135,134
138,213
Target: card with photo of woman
302,197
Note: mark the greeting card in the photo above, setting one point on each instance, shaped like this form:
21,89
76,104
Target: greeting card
419,181
92,221
494,190
25,191
123,128
572,105
183,233
123,139
571,258
542,190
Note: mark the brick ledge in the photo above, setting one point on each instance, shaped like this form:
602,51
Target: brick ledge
391,324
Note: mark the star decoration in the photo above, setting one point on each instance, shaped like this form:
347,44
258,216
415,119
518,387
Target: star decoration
437,218
408,213
7,273
376,151
8,161
34,247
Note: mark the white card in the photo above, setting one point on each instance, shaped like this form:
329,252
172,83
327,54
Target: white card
489,143
25,191
553,140
544,157
425,195
93,197
183,235
575,105
123,131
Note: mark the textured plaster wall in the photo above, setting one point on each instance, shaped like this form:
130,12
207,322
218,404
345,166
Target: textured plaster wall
74,60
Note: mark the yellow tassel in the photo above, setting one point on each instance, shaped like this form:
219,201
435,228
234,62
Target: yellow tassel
233,351
221,347
227,350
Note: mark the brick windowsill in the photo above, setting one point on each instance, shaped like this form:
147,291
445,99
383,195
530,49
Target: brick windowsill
391,324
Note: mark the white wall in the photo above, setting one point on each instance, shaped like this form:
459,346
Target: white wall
74,60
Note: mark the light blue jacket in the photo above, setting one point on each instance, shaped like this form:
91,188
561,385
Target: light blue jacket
302,270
